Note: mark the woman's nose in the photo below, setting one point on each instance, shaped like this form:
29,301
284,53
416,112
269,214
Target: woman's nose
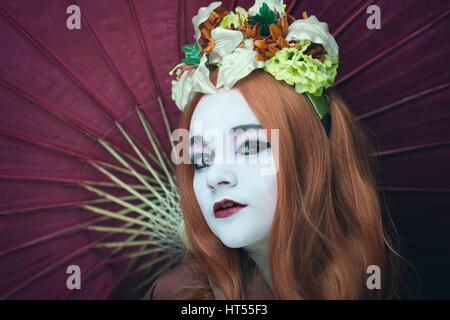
219,177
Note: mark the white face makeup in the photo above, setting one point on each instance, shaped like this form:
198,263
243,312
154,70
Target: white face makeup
241,183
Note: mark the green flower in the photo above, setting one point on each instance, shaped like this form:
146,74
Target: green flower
192,54
306,74
265,17
242,13
233,19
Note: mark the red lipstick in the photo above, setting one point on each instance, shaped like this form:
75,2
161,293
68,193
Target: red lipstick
226,207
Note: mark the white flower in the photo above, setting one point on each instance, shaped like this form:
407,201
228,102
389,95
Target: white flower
200,79
192,81
314,30
225,41
182,90
237,65
276,5
202,16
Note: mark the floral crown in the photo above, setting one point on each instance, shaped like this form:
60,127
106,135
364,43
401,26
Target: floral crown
300,52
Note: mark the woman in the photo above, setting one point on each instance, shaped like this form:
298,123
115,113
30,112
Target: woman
311,228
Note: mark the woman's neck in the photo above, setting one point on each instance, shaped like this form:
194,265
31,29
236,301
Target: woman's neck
258,253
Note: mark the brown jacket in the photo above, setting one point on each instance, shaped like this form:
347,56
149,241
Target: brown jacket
166,286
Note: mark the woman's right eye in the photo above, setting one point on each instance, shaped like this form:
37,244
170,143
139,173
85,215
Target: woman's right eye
202,160
252,147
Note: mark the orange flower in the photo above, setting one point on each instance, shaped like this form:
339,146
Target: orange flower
205,41
317,51
268,47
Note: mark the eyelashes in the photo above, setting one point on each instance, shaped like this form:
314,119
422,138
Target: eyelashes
247,148
202,160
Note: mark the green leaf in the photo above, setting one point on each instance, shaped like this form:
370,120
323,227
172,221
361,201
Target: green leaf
265,17
320,103
192,54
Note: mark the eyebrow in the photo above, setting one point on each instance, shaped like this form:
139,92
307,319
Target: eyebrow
247,126
199,139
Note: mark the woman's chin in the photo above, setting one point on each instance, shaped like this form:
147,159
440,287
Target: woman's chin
233,242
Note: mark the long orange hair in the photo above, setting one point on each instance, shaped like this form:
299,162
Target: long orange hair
328,224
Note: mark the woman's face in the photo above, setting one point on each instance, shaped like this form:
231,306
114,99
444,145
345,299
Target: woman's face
233,186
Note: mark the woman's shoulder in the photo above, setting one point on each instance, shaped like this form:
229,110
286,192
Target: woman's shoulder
169,284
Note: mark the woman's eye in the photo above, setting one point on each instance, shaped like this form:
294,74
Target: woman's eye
249,147
202,160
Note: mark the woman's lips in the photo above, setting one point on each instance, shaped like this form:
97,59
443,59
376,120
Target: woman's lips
226,207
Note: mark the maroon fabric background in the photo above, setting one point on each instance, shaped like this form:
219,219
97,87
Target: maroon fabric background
62,90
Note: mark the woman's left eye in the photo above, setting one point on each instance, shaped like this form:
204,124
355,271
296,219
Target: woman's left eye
249,147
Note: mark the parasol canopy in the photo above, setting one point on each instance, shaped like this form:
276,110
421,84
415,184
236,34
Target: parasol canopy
85,118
